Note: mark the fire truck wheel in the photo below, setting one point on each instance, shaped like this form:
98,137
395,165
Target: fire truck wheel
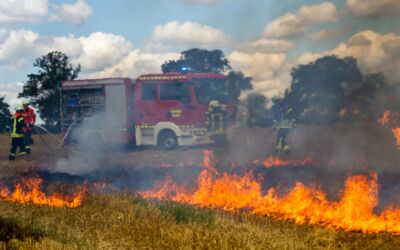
167,140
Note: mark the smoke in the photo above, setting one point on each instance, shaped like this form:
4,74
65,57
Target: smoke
101,123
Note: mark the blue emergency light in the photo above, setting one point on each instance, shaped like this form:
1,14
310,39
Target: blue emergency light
185,69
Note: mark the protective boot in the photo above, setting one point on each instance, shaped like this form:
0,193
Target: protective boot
278,147
11,157
286,149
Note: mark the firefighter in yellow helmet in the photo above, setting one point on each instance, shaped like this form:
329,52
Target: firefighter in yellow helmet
17,133
216,122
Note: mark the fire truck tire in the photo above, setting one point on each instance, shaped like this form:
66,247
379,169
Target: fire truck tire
167,140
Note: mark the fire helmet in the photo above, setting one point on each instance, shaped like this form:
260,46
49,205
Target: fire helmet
19,107
25,103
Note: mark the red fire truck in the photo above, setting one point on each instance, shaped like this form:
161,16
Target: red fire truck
168,110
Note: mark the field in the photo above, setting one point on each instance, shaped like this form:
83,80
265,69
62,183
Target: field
117,218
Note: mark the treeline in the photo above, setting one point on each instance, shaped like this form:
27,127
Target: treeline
328,90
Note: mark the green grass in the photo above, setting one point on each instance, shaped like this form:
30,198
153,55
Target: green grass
123,221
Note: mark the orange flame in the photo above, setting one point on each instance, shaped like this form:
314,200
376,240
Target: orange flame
274,161
396,132
385,118
353,211
29,192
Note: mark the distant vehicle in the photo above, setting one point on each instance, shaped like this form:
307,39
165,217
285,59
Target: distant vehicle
168,110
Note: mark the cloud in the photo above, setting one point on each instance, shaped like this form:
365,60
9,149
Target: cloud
95,52
100,50
14,12
374,8
20,11
270,71
374,52
100,54
10,91
177,36
325,34
75,13
17,46
292,25
137,63
268,46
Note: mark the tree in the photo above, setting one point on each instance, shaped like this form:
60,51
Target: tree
332,89
199,60
239,82
43,88
257,113
210,61
5,116
321,89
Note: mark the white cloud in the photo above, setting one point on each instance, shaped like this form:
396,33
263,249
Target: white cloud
35,11
270,71
100,54
100,50
16,46
95,52
268,46
374,52
179,36
137,63
374,8
75,13
291,25
10,91
19,11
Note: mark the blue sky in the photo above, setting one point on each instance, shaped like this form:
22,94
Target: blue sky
262,38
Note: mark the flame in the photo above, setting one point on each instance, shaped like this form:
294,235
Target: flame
396,132
354,211
274,161
385,118
28,191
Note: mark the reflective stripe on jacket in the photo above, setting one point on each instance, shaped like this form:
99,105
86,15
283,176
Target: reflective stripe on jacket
18,124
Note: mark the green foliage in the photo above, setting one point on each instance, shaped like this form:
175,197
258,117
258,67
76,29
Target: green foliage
257,112
5,116
184,214
239,82
333,89
199,60
43,88
12,229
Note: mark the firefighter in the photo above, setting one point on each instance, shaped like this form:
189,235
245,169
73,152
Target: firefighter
17,134
215,121
283,124
30,120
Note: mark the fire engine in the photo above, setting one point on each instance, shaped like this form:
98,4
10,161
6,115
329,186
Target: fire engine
168,110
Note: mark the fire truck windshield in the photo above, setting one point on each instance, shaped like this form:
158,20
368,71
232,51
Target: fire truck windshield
211,89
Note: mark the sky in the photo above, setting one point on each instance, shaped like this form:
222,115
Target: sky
264,39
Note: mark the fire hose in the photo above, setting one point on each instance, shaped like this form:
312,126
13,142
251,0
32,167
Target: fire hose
60,142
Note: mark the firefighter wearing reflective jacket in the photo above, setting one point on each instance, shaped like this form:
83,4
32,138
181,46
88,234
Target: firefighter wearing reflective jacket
29,119
17,134
216,122
283,125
